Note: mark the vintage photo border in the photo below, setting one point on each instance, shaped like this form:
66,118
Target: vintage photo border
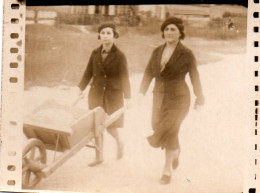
13,86
252,169
12,93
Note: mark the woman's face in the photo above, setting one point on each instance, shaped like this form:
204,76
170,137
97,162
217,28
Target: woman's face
171,33
107,35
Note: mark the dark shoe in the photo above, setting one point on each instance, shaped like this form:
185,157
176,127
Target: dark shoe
165,179
97,162
175,163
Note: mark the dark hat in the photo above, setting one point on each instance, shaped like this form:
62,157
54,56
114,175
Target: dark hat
111,25
176,21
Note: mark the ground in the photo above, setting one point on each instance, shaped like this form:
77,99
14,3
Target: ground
211,140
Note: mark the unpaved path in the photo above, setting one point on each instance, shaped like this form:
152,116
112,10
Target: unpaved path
211,141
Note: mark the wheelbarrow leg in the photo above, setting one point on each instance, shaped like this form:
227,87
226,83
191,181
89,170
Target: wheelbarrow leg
99,151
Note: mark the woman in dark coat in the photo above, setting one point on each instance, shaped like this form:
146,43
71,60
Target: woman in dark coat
169,64
107,67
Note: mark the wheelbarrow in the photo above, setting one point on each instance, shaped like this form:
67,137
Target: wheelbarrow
83,128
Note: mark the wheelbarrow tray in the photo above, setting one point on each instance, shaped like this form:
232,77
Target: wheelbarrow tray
68,135
68,138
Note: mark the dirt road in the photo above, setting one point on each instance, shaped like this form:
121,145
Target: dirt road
211,142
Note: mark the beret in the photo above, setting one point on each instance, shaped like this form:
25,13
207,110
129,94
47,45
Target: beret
176,21
110,25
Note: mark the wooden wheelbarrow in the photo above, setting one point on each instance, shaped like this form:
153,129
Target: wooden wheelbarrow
69,138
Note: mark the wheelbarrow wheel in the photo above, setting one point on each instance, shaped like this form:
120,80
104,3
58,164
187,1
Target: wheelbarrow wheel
34,160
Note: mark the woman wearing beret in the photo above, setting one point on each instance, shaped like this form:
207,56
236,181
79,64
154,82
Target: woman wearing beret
169,65
107,67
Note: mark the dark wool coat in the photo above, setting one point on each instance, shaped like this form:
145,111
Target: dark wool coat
110,81
171,95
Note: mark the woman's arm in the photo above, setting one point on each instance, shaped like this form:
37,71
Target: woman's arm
195,80
147,77
87,74
125,78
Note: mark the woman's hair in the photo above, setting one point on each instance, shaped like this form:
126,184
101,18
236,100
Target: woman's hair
110,25
176,21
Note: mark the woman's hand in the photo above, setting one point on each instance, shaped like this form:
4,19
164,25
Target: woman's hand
139,98
76,91
199,102
79,94
128,103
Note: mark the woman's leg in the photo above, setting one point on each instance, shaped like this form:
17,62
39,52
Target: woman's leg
175,161
170,156
114,133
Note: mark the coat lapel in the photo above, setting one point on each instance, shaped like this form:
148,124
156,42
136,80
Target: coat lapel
158,59
175,55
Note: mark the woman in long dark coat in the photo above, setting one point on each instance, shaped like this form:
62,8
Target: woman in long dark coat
169,64
107,67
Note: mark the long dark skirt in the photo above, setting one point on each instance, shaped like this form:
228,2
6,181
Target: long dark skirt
166,123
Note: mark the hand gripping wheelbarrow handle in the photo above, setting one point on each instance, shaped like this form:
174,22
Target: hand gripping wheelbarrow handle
77,100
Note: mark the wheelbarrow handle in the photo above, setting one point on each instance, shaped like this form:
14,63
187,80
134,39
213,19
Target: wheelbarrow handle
114,116
80,97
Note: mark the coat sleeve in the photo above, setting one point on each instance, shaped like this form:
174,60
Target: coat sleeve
87,74
147,77
124,76
195,79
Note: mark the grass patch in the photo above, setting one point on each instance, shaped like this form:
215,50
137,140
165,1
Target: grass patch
60,55
218,30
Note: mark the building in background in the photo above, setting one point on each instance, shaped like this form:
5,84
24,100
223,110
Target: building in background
132,15
189,11
84,15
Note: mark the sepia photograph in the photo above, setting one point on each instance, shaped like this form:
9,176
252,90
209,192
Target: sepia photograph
134,98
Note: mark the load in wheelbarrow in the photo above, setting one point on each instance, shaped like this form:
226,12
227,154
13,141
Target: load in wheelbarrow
77,128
